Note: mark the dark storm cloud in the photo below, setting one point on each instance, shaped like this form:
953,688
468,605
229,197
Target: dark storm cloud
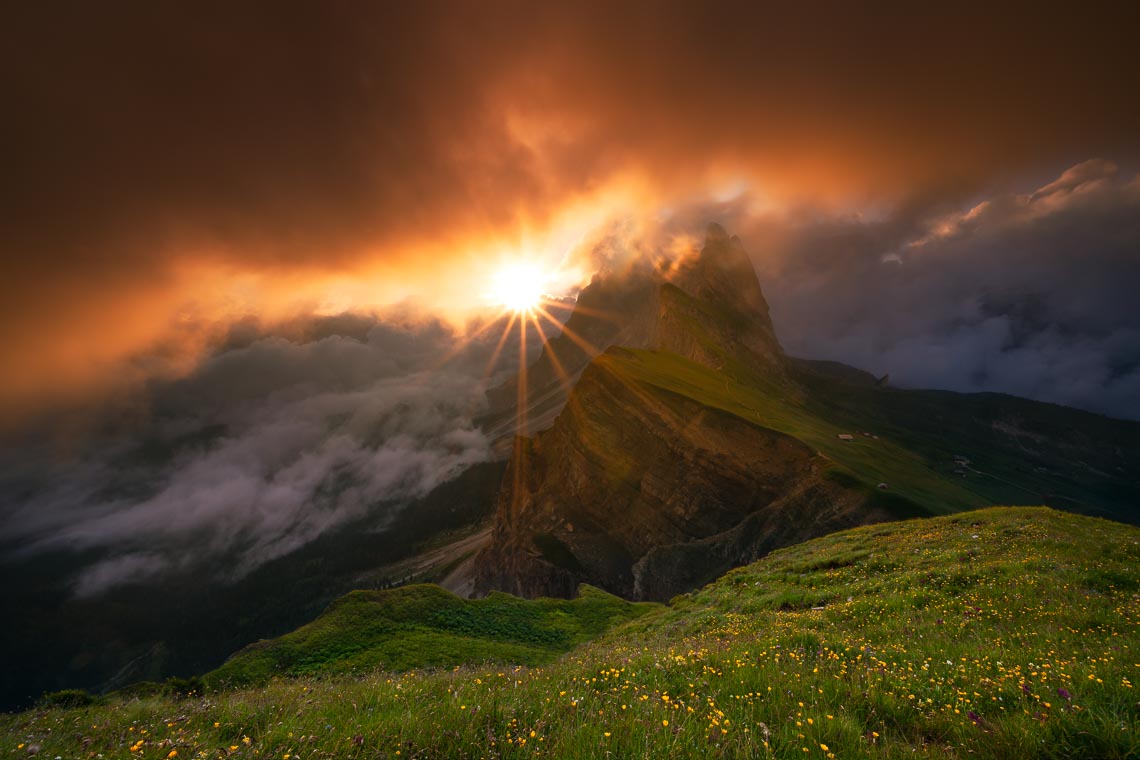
265,447
144,139
1032,294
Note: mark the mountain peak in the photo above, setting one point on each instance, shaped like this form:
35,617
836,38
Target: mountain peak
723,278
711,310
714,233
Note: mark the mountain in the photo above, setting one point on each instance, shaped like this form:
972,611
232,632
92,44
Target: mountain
998,633
648,492
699,445
709,309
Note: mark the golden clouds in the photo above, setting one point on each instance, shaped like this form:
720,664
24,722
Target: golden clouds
162,163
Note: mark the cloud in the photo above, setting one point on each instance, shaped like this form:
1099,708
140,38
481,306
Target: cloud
266,446
1030,294
119,570
162,165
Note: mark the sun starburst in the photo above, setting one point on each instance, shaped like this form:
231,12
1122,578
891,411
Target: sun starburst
518,288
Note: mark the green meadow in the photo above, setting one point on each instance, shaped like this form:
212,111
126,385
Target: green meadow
1004,632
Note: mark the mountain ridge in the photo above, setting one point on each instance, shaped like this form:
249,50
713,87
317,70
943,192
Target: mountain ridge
630,472
709,351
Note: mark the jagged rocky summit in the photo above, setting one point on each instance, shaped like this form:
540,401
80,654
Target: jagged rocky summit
648,493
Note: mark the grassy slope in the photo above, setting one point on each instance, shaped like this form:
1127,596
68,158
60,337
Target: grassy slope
1070,459
421,626
907,473
1023,451
996,633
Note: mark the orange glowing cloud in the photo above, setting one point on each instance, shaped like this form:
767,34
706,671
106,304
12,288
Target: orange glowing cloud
168,172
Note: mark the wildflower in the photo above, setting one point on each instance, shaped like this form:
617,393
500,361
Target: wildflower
1065,695
664,722
824,747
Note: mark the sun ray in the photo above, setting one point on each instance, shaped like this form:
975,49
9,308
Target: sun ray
559,370
582,343
466,341
522,389
603,315
499,347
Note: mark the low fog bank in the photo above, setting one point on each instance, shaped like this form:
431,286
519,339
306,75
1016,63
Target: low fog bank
281,435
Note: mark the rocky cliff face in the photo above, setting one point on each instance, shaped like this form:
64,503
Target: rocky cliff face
721,283
644,492
647,494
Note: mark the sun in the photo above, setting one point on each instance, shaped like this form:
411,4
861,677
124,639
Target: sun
518,288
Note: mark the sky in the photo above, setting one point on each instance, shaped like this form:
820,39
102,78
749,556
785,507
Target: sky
193,196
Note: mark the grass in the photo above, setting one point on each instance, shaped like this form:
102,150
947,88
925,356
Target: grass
909,475
1006,632
426,626
1022,452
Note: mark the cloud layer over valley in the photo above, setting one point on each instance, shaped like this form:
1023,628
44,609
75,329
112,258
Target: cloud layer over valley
267,445
1032,294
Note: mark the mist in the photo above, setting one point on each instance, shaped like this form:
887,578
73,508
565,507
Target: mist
1028,293
268,444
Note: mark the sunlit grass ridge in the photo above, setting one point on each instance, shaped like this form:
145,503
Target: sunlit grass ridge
995,633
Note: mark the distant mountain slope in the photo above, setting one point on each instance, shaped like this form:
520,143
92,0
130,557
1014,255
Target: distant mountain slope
425,626
1003,449
646,487
1016,450
999,633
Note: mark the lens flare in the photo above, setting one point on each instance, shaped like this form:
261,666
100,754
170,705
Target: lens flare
518,288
